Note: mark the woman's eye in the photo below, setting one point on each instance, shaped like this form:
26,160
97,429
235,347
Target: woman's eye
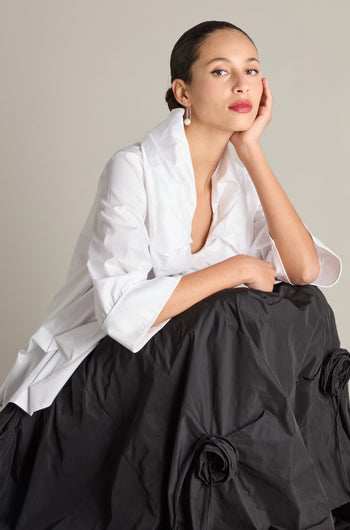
220,70
253,70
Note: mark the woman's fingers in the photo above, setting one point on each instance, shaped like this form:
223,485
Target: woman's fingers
241,139
266,100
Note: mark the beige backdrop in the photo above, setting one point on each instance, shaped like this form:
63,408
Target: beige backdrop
81,79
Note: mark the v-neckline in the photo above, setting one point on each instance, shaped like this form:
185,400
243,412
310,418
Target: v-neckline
212,197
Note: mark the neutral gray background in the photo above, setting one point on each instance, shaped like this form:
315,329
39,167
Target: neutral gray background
81,79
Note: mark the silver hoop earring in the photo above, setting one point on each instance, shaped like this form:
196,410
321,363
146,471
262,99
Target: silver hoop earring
188,116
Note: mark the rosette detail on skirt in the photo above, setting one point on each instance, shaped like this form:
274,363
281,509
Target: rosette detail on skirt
216,459
335,372
334,378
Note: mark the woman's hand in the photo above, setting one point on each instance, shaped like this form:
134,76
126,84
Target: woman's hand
253,272
244,139
263,275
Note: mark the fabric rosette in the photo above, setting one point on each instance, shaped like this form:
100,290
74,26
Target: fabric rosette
215,459
334,376
335,372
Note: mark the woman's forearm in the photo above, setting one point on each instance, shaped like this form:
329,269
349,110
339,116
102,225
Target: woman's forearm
194,287
228,273
293,241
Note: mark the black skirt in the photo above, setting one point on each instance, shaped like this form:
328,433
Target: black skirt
235,415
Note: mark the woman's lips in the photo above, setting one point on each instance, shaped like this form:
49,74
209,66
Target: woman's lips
241,106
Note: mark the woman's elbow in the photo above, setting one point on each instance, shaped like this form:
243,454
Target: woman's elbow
306,275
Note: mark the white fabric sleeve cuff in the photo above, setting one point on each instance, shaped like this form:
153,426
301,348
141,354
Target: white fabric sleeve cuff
330,264
129,322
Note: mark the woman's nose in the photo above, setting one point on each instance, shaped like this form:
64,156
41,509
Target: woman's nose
240,84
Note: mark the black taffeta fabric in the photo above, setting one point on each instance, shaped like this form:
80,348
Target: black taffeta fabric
235,415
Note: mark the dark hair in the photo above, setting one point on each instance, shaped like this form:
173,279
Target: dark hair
186,52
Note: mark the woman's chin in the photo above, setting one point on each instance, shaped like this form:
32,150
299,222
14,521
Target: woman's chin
241,128
243,121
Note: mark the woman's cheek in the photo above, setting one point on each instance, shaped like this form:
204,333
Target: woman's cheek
261,94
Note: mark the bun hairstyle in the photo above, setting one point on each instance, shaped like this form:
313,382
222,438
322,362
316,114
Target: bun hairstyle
186,52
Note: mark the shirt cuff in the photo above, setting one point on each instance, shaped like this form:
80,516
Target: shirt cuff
330,264
130,320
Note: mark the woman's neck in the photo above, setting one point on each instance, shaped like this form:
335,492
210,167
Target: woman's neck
206,148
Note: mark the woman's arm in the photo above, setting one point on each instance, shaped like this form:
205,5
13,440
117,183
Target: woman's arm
237,270
293,241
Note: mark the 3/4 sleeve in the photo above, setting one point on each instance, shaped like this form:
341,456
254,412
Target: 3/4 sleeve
264,247
119,262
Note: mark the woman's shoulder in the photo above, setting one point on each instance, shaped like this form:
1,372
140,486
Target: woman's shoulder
123,172
240,185
238,173
130,153
124,158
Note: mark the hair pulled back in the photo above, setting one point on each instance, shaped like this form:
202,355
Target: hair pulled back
186,52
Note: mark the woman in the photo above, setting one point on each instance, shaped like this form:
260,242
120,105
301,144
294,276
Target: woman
172,384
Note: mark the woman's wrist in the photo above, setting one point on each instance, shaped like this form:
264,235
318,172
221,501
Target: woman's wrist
247,153
236,270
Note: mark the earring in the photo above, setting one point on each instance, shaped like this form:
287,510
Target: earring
188,117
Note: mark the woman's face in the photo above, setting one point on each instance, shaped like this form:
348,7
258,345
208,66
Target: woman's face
222,82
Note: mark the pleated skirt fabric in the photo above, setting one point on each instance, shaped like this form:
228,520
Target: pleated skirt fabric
235,415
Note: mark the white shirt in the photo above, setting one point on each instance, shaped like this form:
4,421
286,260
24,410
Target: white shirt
132,252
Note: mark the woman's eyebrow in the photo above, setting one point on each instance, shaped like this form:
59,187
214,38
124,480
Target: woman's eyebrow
250,59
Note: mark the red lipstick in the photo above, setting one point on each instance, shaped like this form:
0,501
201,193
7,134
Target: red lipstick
242,105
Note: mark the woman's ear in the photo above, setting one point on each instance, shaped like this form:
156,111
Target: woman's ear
181,92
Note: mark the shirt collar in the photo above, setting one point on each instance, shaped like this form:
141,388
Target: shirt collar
167,140
167,144
169,173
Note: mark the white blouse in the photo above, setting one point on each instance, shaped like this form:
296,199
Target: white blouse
132,252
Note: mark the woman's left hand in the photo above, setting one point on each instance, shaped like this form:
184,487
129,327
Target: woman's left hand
245,139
